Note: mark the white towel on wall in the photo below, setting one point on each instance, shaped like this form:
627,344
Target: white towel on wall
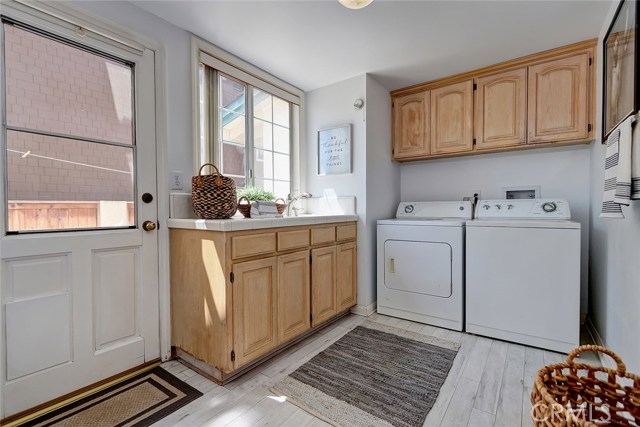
635,161
617,171
264,209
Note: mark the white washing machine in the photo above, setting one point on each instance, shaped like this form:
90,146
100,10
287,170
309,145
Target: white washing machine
523,273
421,263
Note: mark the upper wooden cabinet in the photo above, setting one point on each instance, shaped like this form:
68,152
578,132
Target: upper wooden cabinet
558,94
538,100
501,109
452,118
411,125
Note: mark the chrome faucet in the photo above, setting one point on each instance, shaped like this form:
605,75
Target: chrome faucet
291,200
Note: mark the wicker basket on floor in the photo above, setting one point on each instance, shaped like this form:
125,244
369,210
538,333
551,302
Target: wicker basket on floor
572,394
245,208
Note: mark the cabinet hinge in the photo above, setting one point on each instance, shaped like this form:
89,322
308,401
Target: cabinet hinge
589,127
310,259
474,141
590,61
310,317
475,86
232,277
233,356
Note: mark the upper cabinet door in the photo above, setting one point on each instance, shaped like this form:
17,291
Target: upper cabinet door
452,118
558,104
501,109
411,125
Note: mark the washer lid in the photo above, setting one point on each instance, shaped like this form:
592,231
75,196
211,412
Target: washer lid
523,223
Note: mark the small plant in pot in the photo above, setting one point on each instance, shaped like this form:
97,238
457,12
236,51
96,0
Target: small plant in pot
250,194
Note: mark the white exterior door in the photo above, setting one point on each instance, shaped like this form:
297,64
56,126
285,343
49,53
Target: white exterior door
79,273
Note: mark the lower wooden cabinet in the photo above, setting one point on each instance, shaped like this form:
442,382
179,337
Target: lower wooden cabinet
255,320
346,276
323,284
232,304
294,295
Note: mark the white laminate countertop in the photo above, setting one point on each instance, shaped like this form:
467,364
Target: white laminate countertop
240,223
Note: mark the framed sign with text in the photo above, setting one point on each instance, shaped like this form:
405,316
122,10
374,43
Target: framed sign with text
334,150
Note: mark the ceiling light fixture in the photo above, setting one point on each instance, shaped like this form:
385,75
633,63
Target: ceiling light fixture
355,4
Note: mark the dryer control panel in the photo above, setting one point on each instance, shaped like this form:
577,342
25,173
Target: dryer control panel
555,209
431,210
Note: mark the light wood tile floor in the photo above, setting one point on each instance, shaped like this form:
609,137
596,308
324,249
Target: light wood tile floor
489,384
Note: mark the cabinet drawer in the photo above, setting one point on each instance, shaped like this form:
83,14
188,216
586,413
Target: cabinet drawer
323,235
253,244
293,239
345,232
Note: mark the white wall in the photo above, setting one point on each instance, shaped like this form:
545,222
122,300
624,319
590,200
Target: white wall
560,171
615,258
331,106
383,176
177,69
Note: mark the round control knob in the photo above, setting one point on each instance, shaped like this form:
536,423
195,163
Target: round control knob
509,207
549,207
498,207
486,207
408,209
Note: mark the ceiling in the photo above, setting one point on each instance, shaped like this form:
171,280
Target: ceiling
311,44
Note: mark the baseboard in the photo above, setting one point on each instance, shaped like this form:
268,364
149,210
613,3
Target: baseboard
364,310
606,361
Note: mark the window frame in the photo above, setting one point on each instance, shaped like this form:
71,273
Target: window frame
206,147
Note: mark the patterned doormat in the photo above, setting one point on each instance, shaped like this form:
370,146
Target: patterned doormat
372,377
136,402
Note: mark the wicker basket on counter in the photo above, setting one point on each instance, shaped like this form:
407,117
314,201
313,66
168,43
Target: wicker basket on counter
245,208
213,196
572,394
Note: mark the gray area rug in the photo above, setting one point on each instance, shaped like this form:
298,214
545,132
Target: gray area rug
375,375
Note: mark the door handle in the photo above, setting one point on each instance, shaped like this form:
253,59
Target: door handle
149,225
392,265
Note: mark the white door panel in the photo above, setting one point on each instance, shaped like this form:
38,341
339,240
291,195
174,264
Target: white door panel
418,267
81,306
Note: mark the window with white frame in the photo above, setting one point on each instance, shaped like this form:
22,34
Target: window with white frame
247,126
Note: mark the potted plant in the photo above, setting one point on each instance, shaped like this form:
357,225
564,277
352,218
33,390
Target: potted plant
250,194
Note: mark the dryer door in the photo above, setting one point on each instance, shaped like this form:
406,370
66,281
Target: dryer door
418,267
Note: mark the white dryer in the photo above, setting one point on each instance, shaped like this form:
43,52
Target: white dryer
421,263
523,273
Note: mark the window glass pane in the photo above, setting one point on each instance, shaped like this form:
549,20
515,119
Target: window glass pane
58,88
281,166
281,188
232,127
266,184
262,134
281,139
281,112
58,183
239,180
263,164
232,93
232,159
262,105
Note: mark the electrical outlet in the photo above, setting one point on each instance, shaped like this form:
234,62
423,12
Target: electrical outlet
176,180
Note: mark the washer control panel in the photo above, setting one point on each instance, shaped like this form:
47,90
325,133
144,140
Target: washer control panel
557,209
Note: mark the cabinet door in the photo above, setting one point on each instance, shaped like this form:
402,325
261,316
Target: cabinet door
451,118
254,309
501,109
346,276
323,284
558,99
411,126
294,295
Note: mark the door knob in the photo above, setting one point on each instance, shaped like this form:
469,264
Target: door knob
149,225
